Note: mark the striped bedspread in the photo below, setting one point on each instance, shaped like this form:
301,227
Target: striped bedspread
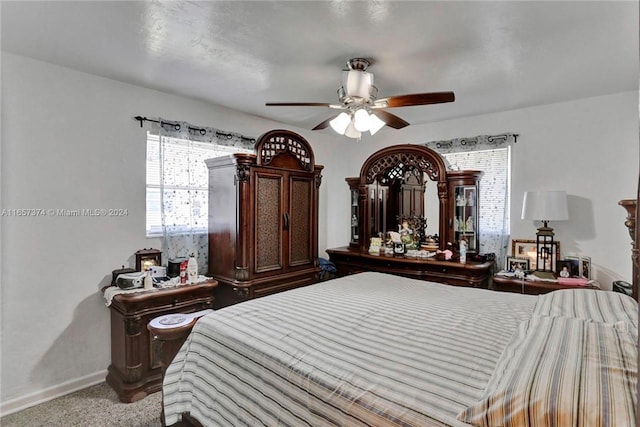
364,350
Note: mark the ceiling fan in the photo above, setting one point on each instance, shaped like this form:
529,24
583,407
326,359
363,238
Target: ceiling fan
363,112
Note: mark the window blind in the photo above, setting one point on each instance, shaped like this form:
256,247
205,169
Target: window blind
182,166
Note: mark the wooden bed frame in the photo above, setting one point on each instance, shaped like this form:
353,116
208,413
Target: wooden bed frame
631,222
635,257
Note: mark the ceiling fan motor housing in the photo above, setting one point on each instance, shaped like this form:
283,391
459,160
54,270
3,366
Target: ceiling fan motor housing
357,84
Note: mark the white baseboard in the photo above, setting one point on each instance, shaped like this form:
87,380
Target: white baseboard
41,396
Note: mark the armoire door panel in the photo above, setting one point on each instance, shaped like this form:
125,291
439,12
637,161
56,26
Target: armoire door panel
301,214
268,223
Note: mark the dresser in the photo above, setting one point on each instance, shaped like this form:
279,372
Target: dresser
135,370
471,274
410,184
263,218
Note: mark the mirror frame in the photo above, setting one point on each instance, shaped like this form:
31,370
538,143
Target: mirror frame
379,163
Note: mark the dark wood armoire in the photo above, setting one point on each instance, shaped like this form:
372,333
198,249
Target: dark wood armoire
263,218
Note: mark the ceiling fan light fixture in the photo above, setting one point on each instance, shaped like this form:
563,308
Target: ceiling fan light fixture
340,123
361,120
351,131
375,124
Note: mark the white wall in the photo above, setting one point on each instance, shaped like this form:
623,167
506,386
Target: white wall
69,141
588,147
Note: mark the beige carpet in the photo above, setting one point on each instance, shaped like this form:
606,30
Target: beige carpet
96,406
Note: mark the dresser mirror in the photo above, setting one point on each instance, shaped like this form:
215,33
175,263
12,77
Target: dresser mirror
402,195
396,184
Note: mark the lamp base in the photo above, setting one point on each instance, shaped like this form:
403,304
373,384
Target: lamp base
545,230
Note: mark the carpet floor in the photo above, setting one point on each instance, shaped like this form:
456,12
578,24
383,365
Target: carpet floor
96,406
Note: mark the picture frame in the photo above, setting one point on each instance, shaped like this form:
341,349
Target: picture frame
513,262
560,265
585,267
574,264
526,248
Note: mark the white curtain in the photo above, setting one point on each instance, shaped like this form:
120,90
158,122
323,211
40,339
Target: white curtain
183,184
492,155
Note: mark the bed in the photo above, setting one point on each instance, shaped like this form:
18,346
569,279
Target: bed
372,349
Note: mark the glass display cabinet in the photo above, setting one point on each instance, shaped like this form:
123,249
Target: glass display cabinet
354,212
463,186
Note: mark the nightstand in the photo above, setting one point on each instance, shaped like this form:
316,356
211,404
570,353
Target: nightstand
135,370
530,287
169,332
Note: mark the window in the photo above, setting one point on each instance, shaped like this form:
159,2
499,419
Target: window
186,182
494,193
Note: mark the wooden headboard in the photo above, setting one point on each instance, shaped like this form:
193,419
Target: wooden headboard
633,220
636,248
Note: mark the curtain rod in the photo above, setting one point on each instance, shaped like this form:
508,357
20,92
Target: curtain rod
472,141
177,127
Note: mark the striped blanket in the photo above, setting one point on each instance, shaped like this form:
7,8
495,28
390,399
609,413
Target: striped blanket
364,350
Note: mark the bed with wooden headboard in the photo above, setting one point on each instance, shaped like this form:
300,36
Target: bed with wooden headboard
379,350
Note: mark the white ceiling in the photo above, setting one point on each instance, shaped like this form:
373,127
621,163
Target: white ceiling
495,56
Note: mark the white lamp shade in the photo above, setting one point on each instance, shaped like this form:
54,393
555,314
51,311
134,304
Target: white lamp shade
357,83
545,206
375,124
340,123
351,131
361,120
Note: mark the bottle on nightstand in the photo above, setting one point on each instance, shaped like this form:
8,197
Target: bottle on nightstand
192,270
148,281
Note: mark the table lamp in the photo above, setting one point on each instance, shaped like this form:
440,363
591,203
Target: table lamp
545,206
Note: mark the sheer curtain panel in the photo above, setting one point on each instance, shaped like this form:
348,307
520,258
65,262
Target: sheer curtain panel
177,184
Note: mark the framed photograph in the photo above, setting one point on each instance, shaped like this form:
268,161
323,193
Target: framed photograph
515,262
574,265
563,268
527,249
585,267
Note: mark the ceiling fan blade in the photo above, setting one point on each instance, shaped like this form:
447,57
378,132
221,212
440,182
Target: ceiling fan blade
415,99
391,120
325,123
297,104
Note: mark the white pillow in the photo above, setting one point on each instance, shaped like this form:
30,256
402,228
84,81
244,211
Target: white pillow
593,304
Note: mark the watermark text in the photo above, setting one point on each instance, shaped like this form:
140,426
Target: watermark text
60,212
